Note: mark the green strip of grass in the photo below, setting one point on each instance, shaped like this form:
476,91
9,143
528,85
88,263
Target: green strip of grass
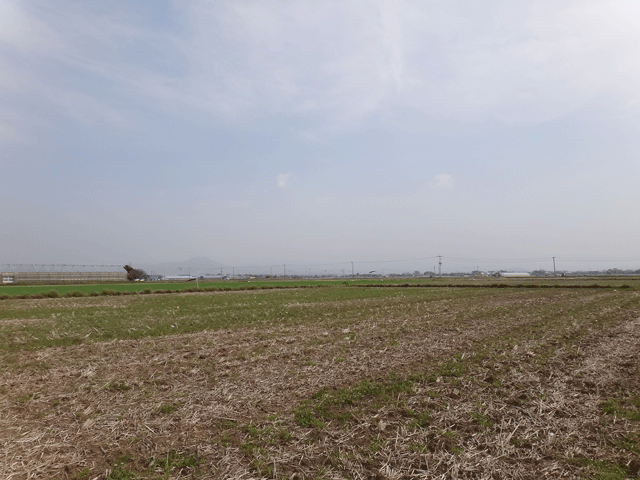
166,287
36,291
69,321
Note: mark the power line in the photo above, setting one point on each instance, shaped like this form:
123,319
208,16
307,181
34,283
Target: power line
359,262
502,260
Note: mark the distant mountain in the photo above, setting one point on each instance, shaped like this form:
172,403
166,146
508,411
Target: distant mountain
195,266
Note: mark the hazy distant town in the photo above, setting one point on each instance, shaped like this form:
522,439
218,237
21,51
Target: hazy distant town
205,269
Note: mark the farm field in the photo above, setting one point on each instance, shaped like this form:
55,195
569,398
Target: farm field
344,382
8,291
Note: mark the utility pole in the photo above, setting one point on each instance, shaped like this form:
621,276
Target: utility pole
352,270
554,266
439,265
285,270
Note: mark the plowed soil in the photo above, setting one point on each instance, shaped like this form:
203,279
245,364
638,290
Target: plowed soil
508,384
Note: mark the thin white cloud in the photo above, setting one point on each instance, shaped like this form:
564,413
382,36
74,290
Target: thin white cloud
236,204
339,62
7,133
283,179
12,24
326,200
442,181
351,60
306,136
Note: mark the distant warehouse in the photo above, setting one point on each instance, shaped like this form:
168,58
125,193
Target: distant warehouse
513,274
55,274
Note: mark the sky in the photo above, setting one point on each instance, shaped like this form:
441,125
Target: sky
312,133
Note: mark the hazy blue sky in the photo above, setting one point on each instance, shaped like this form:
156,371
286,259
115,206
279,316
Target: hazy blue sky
258,133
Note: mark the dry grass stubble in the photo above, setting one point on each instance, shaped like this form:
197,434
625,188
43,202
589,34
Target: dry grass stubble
519,412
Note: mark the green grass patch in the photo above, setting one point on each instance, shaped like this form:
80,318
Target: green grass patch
629,283
340,404
118,386
419,419
24,399
482,420
305,416
175,462
83,474
69,321
624,408
601,470
166,408
120,471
